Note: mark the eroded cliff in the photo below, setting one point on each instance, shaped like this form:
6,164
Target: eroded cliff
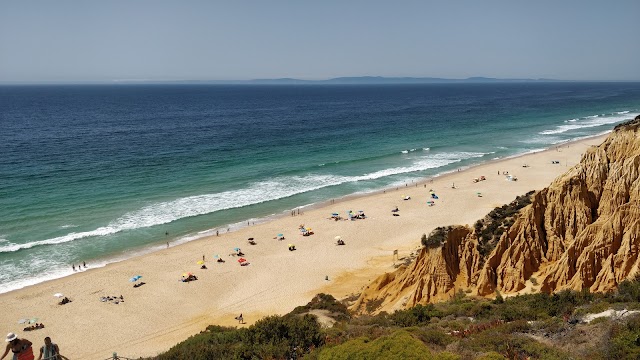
583,231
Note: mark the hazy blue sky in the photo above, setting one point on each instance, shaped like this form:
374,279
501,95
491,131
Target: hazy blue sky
134,39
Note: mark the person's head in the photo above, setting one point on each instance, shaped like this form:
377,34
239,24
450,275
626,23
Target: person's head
12,339
47,341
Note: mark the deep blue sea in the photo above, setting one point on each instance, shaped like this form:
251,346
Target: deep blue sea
101,173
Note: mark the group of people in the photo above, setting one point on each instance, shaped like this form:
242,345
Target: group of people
34,327
64,300
22,349
189,278
80,266
114,299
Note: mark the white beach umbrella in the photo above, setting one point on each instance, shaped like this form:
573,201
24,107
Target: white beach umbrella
58,295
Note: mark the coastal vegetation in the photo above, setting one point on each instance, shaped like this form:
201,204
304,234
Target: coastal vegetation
533,326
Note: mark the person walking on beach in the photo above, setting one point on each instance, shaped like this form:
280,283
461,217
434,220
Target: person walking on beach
21,348
84,264
73,267
50,351
240,319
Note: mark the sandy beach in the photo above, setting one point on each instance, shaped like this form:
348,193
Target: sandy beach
165,310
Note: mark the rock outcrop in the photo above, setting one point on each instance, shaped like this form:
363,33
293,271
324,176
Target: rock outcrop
582,232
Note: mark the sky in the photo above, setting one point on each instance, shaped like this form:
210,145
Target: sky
84,40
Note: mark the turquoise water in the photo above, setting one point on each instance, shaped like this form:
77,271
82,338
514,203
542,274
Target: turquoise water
100,173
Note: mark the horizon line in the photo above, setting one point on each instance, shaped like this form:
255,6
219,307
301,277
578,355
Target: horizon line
342,80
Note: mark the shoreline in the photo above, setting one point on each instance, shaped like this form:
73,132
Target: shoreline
144,250
166,311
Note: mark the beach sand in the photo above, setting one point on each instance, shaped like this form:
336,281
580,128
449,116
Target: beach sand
165,311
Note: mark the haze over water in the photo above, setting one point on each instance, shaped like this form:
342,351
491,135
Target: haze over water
99,173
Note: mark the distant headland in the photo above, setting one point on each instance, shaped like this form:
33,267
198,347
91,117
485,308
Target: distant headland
351,80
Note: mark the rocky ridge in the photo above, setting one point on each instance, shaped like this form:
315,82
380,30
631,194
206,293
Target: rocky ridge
581,232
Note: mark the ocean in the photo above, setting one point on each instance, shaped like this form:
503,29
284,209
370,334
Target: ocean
101,173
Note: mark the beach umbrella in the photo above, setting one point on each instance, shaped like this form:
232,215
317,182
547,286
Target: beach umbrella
186,274
236,249
200,262
135,278
280,235
216,256
290,245
23,321
58,295
241,260
33,320
338,238
335,214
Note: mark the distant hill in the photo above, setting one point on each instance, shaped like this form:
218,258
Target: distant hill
358,80
350,80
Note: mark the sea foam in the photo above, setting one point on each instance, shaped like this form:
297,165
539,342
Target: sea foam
259,192
588,122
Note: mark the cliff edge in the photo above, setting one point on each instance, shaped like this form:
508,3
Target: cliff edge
581,232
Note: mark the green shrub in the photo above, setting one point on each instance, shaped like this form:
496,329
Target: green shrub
399,345
436,238
417,315
325,302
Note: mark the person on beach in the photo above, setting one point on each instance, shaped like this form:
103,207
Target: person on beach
217,233
21,348
73,267
50,350
84,264
240,319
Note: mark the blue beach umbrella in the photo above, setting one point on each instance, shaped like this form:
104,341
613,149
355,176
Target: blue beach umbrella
335,214
135,278
216,256
236,249
280,235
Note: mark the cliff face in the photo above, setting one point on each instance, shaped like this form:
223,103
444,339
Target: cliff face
583,231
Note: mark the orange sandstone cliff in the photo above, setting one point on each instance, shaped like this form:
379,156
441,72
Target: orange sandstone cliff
582,232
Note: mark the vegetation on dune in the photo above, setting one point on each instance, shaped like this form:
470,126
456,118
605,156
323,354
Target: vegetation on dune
499,220
487,230
535,326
